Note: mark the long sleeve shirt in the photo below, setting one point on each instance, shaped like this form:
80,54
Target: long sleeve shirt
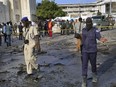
78,28
89,41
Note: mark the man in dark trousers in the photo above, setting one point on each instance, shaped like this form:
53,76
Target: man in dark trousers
89,50
20,31
0,34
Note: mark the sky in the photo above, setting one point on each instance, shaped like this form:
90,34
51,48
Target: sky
70,1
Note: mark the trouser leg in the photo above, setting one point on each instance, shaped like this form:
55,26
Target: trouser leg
19,36
67,31
93,65
92,57
61,32
9,40
30,60
29,68
5,37
85,58
33,63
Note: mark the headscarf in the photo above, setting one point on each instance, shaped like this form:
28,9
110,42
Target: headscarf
24,19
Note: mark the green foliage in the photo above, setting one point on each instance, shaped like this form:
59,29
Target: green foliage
49,9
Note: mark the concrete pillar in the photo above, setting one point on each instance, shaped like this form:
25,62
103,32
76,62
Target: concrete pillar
2,12
25,8
28,8
6,9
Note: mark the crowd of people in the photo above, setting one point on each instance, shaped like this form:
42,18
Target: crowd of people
6,32
31,32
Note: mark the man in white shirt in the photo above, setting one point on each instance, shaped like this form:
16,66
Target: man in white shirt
30,36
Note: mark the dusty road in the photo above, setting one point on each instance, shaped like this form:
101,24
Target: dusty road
60,66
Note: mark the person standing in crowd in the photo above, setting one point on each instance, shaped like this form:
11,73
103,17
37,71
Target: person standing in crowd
8,33
71,27
0,34
20,31
4,31
63,27
50,28
15,29
40,27
30,36
46,28
89,50
37,45
67,27
78,26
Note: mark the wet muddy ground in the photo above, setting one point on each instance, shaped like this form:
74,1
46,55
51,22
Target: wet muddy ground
60,64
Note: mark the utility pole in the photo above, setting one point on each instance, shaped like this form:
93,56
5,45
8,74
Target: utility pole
110,7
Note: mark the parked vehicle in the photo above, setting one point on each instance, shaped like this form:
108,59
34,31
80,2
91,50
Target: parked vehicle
103,22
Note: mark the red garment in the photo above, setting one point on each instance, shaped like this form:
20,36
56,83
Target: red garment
50,33
50,28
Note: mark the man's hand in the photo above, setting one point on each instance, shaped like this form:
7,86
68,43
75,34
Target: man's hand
103,39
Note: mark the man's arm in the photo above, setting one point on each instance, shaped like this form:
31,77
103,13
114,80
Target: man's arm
99,37
102,39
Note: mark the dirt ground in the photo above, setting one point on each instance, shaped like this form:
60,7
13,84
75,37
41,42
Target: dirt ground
60,63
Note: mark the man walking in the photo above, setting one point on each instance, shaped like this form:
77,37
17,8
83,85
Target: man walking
89,50
78,26
8,33
4,32
20,31
30,35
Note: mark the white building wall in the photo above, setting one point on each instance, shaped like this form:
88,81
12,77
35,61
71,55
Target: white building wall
109,0
5,11
17,10
2,12
32,6
91,8
14,10
103,9
25,7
